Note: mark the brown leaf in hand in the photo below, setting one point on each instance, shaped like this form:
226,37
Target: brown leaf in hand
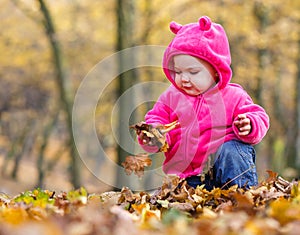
136,164
155,135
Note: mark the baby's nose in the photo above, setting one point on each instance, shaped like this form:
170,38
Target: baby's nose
185,77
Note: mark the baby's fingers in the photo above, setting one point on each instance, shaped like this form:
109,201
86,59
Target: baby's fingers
146,140
242,120
243,124
245,130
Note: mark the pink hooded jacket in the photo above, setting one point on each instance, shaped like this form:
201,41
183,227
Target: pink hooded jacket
206,120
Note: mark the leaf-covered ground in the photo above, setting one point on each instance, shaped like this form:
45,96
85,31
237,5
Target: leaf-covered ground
175,208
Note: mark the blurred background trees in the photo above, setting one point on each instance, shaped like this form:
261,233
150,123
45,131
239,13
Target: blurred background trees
48,47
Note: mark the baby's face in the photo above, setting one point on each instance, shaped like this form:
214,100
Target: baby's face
193,75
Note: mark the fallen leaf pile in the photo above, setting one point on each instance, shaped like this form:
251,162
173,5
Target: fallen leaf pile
273,207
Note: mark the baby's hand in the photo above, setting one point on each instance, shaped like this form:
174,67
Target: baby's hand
146,139
243,124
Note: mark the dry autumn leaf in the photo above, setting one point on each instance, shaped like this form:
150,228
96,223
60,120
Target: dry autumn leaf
272,176
154,136
136,164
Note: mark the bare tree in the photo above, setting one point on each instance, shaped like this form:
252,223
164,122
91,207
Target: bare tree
297,127
125,26
42,165
60,81
261,13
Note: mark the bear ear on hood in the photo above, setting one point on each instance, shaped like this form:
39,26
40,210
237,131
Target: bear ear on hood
175,27
205,23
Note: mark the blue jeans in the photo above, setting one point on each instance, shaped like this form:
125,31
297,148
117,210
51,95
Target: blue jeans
234,164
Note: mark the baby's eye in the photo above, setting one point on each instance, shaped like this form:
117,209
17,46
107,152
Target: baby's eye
177,72
194,72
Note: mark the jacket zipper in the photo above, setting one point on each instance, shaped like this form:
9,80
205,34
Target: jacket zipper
198,105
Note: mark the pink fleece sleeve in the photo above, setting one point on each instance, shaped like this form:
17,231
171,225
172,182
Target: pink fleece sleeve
259,121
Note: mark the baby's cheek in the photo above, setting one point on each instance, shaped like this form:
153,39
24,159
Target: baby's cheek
177,81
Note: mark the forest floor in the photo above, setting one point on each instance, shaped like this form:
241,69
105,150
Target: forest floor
273,207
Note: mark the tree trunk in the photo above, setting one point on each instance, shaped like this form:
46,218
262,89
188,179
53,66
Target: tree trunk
41,164
25,144
125,27
261,15
65,104
297,127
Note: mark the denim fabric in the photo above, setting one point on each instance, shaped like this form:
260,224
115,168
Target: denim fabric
234,164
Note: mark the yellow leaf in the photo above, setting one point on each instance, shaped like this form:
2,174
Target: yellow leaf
209,214
14,215
284,211
146,214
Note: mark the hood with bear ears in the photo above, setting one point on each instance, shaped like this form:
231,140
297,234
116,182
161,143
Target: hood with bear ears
203,39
